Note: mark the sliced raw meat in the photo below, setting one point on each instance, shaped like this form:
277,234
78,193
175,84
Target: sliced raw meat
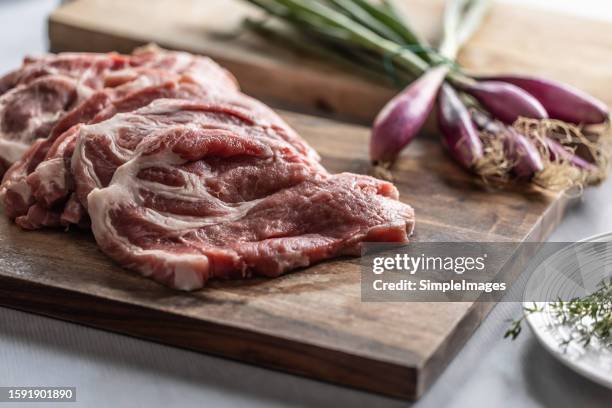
181,177
103,147
86,68
218,202
43,174
97,71
35,97
45,89
184,192
29,112
198,69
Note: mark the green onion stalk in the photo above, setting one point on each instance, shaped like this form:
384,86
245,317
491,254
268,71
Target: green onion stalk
505,128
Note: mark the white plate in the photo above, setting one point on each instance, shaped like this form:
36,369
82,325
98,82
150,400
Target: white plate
581,269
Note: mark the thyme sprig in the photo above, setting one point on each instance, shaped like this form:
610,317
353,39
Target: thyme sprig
516,325
589,318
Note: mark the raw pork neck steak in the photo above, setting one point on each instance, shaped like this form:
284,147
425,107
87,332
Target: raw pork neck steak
31,191
180,176
36,96
185,192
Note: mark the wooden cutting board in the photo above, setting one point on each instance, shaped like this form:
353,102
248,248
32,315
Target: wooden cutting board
311,322
513,39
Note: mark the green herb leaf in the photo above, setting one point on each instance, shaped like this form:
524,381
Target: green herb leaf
588,318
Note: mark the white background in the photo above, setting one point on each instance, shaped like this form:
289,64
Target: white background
598,9
113,370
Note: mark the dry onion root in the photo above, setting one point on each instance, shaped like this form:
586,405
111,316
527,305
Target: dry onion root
382,170
562,156
495,167
541,128
573,156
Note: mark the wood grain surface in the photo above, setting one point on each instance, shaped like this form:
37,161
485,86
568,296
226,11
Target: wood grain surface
311,322
512,39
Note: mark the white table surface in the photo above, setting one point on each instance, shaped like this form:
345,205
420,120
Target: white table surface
111,370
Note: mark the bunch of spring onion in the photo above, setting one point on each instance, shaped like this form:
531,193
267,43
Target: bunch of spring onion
503,128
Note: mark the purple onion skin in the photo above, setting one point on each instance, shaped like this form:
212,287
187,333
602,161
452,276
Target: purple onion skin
506,102
558,151
517,148
561,101
524,154
402,118
459,133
